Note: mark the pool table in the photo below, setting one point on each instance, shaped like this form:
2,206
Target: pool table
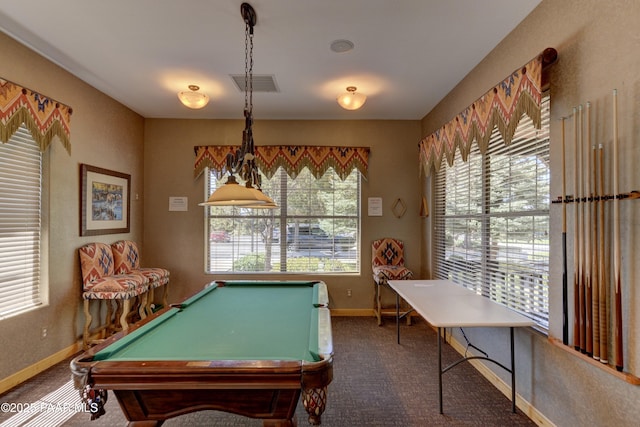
245,347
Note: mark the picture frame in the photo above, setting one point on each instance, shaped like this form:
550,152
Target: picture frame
105,201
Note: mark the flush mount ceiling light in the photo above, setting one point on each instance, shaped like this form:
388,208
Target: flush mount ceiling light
242,163
192,98
350,100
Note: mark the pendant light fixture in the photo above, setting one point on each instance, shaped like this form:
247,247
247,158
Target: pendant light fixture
242,163
350,100
192,98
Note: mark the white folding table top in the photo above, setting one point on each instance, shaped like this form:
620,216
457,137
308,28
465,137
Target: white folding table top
444,304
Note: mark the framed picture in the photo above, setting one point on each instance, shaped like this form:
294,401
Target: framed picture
105,198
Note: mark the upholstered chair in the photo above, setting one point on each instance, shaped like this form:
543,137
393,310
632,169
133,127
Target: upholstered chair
387,263
127,260
101,283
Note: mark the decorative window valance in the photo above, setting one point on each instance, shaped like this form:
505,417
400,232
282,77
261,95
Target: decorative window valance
293,158
501,107
43,116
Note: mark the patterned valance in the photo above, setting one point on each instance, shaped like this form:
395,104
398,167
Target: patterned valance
293,158
44,117
501,107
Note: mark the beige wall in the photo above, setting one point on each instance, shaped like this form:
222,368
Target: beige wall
103,133
106,134
597,44
176,239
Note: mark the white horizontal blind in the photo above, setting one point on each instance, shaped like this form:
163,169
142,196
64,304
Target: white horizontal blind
20,203
315,228
492,220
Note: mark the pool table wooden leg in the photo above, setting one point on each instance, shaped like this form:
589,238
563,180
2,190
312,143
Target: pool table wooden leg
314,401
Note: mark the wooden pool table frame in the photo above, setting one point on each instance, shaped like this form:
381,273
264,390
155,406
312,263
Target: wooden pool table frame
150,392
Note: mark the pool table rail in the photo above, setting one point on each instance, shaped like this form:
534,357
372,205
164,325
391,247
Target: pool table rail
151,391
159,390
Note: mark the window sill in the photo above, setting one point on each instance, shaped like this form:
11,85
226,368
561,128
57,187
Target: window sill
625,376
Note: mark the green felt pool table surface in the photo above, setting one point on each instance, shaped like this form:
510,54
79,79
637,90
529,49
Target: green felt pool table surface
252,320
253,348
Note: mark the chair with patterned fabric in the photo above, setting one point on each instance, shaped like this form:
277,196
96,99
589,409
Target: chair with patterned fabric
127,261
99,282
387,263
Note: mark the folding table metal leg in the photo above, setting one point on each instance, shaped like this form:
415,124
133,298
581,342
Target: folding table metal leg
440,367
513,374
398,316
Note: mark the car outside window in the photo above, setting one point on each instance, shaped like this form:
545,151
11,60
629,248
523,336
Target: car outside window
315,228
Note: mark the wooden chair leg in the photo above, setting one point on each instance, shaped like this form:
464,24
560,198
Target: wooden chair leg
116,316
378,304
142,310
126,307
109,322
136,309
150,299
165,294
87,325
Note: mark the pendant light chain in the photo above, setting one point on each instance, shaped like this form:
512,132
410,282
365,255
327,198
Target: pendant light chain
248,66
250,69
249,171
242,161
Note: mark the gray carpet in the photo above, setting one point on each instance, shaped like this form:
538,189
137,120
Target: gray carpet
376,383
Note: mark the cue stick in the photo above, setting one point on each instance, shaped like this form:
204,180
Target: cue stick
595,309
616,237
576,240
586,222
565,308
602,283
580,232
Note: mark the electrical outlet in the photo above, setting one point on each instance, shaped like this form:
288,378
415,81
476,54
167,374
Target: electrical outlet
348,292
44,332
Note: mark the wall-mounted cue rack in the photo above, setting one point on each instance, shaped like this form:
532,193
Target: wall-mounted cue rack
622,196
592,284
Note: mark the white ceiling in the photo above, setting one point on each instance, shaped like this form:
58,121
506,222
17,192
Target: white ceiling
408,53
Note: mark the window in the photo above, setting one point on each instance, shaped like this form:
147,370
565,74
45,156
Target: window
492,220
315,228
20,202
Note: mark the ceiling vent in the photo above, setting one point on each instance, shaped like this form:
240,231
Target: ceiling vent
261,82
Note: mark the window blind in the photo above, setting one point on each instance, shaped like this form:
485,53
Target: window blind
314,229
20,204
492,220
